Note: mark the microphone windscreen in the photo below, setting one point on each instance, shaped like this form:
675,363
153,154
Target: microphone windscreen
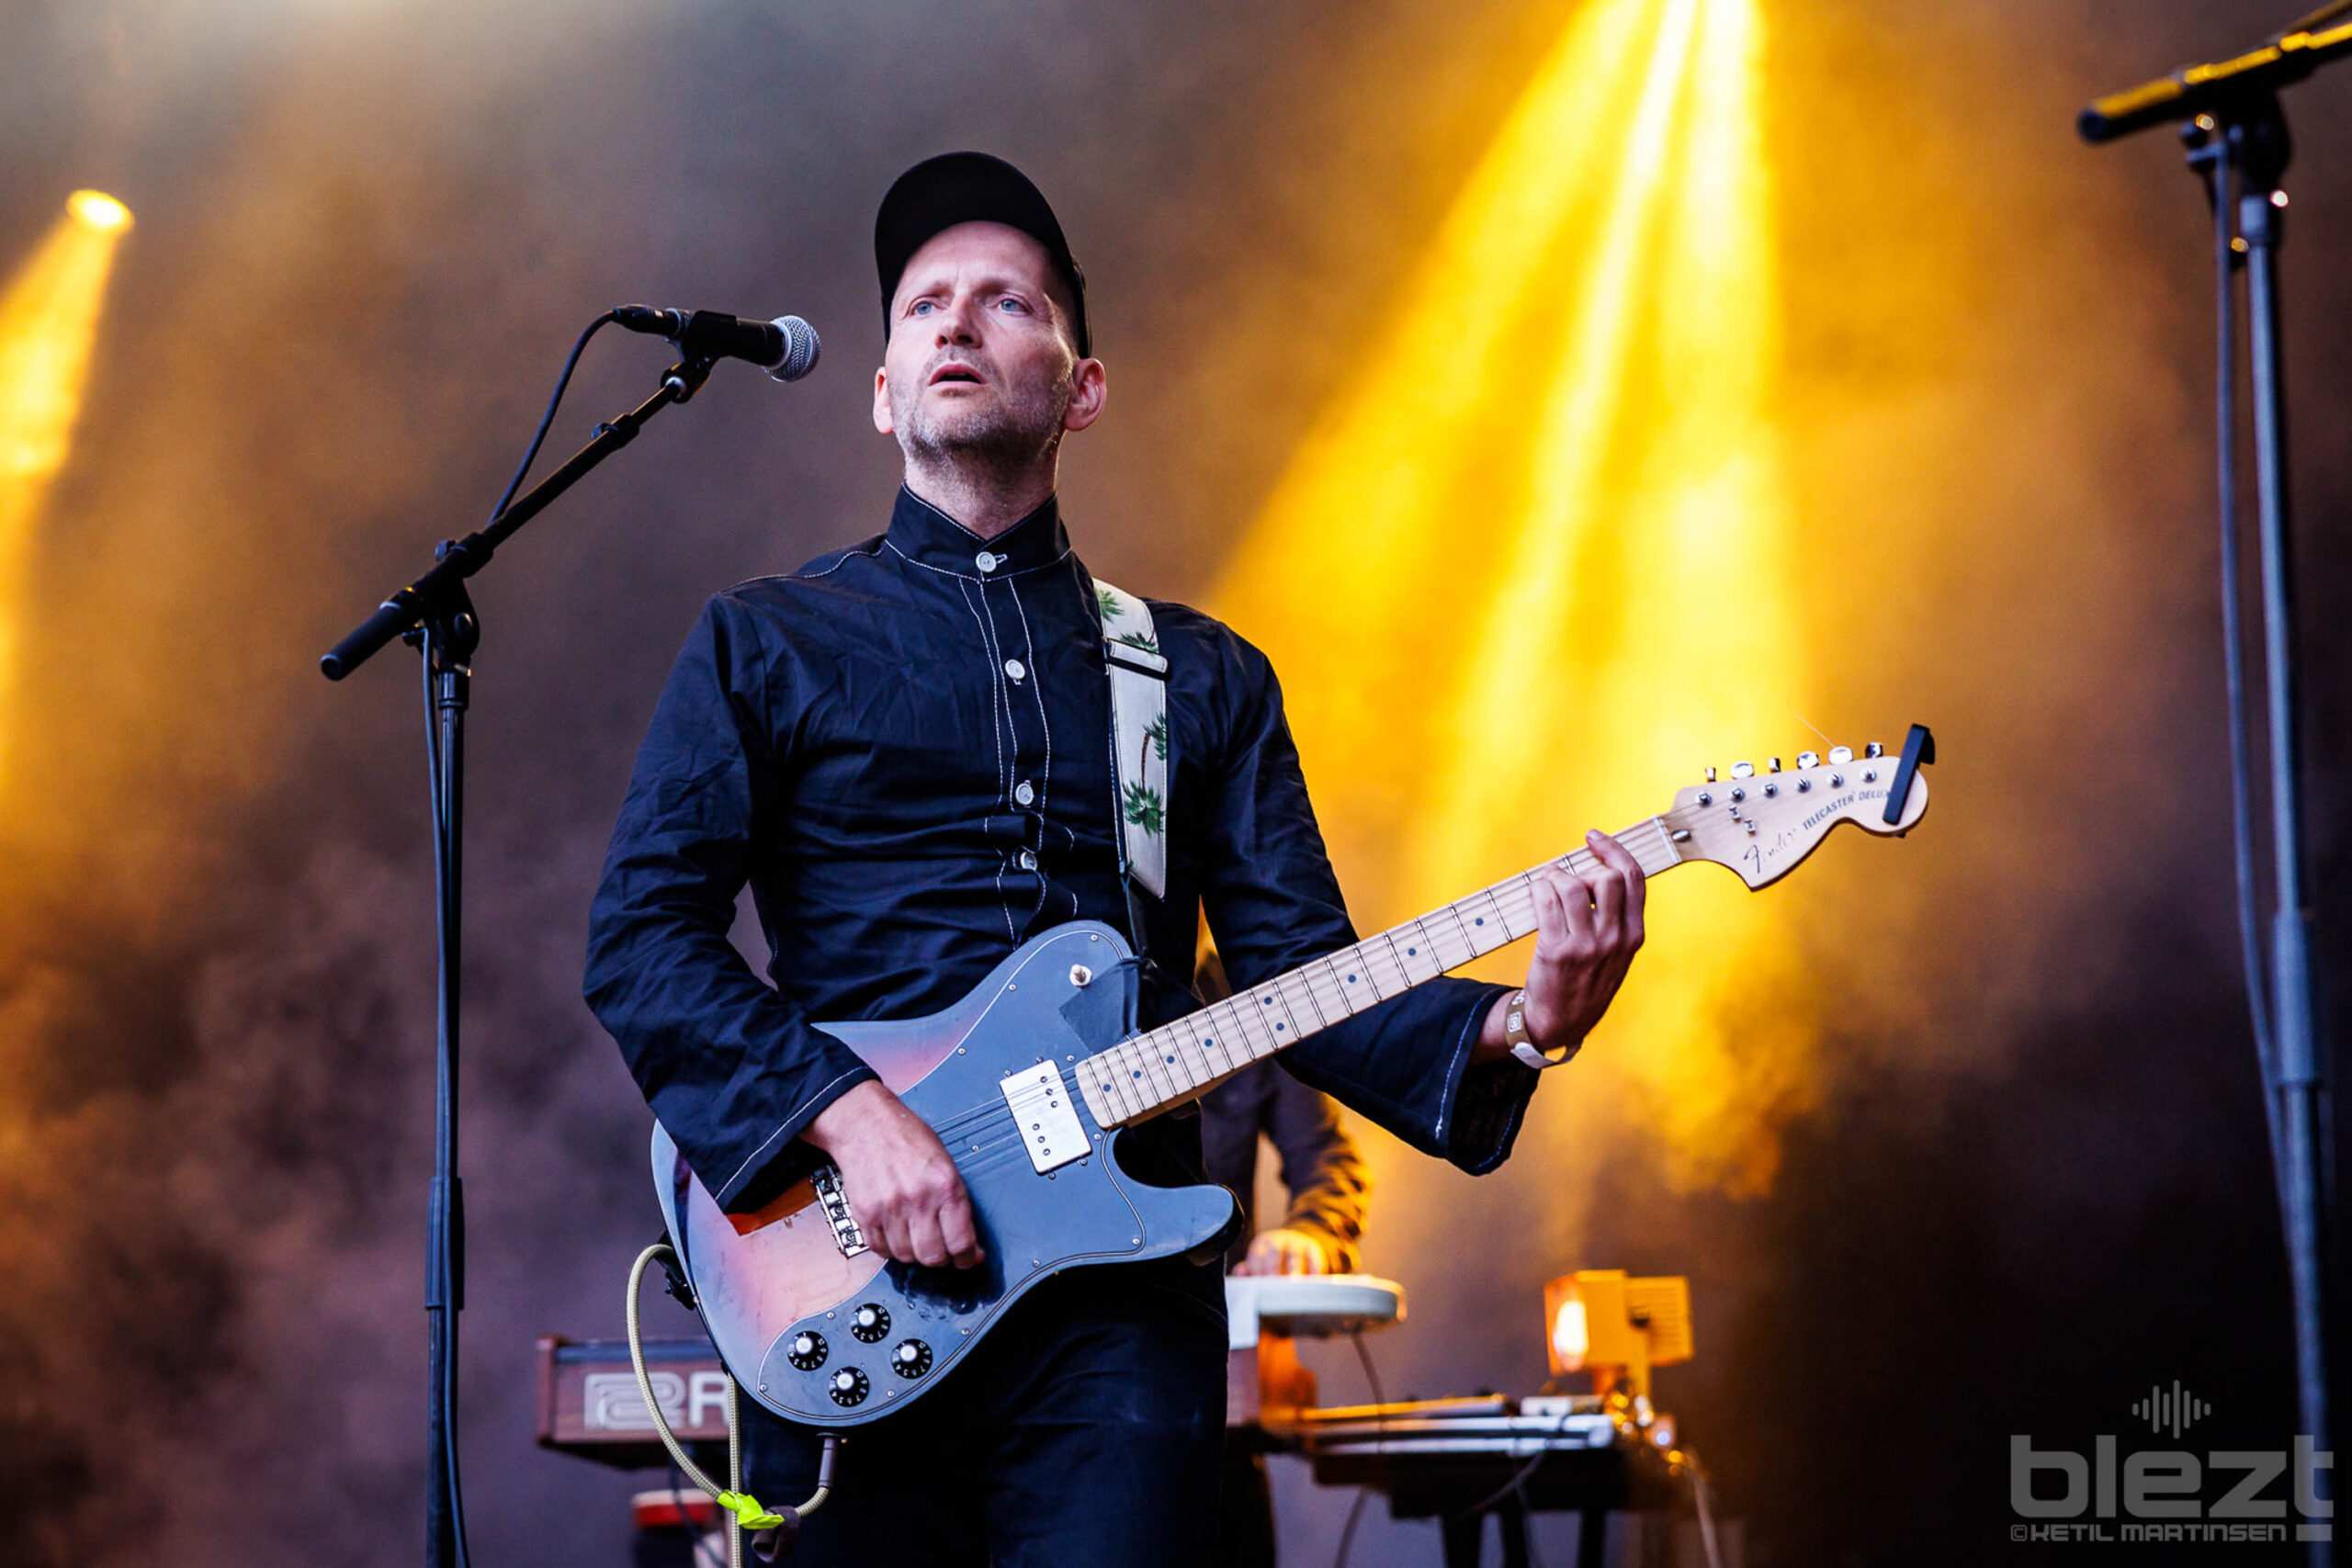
800,349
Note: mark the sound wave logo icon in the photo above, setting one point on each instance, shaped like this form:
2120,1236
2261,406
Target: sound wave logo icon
2175,1408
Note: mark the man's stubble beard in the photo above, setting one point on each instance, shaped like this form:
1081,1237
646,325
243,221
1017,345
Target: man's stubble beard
1013,436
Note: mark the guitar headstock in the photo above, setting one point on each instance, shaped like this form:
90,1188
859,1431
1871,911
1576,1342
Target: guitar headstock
1761,823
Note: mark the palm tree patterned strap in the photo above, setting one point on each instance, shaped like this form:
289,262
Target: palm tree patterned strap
1138,734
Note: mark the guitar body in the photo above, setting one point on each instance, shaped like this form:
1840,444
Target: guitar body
792,1309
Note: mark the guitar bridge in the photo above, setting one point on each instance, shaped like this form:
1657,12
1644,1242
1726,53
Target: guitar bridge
827,1181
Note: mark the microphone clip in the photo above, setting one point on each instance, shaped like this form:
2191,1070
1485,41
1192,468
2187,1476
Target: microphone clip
701,337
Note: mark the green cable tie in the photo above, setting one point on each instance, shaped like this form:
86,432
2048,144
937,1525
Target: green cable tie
748,1511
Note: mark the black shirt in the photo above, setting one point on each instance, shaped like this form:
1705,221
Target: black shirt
904,748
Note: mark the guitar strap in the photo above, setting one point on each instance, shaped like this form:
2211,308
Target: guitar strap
1138,672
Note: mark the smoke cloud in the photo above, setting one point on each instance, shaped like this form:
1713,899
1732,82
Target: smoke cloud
2025,1177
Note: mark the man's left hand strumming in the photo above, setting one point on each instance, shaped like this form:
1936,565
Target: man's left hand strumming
1587,928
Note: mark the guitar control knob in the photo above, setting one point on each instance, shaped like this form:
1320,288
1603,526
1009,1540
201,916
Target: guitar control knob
1808,759
1711,776
870,1322
848,1387
1771,764
807,1351
1874,749
1743,770
911,1358
1841,754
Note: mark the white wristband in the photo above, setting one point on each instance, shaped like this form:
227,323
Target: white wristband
1523,1045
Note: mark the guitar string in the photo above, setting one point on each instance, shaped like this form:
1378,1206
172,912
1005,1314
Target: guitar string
1519,912
1510,900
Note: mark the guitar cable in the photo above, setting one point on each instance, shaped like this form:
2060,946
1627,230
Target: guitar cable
747,1511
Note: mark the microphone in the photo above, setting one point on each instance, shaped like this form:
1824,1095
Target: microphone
786,348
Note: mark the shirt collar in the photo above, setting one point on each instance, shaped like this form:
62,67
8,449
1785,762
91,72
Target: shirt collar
925,535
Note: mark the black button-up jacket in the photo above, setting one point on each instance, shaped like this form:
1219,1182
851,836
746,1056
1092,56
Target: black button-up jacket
904,748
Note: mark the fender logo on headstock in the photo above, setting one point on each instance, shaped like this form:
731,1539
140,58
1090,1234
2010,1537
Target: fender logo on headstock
1761,824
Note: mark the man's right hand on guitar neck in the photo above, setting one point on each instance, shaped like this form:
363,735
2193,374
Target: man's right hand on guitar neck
902,1188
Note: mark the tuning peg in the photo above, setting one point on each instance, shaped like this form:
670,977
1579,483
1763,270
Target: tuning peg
1841,754
1874,749
1771,764
1808,759
1743,770
1711,776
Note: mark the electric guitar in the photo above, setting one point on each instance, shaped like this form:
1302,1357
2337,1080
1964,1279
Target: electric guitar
1029,1080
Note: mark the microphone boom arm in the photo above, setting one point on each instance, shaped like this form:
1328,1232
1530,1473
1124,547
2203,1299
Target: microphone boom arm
2202,89
440,589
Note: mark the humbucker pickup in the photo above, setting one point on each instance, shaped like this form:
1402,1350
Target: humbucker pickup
1050,1130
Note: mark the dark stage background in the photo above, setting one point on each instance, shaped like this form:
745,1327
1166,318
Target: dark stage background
2032,1181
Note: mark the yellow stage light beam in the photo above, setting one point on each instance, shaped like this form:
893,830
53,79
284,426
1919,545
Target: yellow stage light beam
49,318
1534,584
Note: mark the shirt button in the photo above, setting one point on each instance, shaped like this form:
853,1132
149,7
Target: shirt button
1028,860
1015,670
987,560
1024,794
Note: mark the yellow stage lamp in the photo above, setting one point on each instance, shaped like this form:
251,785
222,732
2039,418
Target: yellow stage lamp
97,210
48,320
1598,1321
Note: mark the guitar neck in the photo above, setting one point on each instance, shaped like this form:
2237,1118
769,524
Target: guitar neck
1161,1069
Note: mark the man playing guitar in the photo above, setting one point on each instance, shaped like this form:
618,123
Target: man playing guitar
902,748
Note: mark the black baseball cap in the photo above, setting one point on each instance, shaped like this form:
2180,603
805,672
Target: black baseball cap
970,188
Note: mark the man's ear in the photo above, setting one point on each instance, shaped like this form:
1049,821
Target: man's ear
1089,387
882,402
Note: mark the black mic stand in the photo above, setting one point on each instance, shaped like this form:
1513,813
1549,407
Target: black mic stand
435,615
2250,137
2238,142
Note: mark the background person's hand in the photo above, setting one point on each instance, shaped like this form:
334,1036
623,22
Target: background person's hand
1285,1251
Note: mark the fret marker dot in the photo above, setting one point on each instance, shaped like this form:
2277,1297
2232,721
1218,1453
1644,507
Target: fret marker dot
1278,1029
1138,1074
1171,1058
1410,951
1351,979
1482,920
